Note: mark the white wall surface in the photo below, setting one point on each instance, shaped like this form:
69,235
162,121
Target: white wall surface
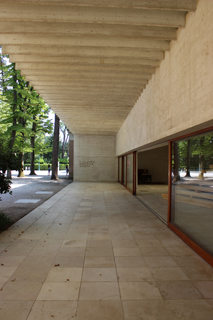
94,158
179,96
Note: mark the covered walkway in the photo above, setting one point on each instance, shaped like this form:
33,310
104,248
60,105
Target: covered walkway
94,252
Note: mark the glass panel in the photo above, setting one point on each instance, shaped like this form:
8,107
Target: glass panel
192,188
130,171
120,170
124,170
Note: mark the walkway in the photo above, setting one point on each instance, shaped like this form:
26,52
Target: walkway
94,252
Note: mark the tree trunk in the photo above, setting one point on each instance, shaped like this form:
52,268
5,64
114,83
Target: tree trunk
71,155
176,163
55,149
13,134
32,156
21,171
201,160
188,160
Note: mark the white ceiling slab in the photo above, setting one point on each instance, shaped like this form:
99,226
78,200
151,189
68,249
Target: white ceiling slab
90,60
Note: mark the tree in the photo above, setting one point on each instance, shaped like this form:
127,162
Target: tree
24,115
55,149
65,139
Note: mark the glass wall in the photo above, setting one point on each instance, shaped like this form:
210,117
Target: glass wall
130,171
124,171
192,188
120,169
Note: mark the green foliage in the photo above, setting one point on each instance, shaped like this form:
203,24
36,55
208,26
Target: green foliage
42,166
8,159
201,152
63,160
24,115
5,222
62,166
5,185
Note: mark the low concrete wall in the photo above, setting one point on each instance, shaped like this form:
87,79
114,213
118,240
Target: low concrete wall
156,161
94,158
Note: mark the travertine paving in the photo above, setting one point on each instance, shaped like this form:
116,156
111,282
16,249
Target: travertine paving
94,252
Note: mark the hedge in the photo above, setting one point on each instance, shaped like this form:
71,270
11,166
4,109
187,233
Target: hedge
45,166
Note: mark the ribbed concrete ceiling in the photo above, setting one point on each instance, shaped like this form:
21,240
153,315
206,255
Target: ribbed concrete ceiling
90,59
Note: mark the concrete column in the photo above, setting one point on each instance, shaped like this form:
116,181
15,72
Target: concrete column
71,155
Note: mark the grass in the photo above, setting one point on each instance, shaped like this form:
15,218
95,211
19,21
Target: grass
5,222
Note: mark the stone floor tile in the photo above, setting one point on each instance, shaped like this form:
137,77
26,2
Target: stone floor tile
74,236
134,274
191,309
182,250
174,290
126,252
11,260
128,262
59,291
99,243
97,236
160,261
15,310
57,310
68,261
20,291
5,274
122,236
99,291
20,247
139,290
99,262
146,310
38,261
147,243
99,310
210,302
168,274
64,274
99,252
198,273
124,244
153,251
69,251
206,288
33,274
74,243
99,274
187,261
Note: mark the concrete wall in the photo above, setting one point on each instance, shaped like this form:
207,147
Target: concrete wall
179,96
156,161
94,158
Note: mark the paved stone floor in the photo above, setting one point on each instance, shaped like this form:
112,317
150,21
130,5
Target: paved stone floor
94,252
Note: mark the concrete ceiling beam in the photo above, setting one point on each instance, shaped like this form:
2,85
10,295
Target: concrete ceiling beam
99,52
66,67
82,61
80,14
91,29
82,41
182,5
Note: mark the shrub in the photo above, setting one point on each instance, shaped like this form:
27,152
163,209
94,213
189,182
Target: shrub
63,160
5,184
5,222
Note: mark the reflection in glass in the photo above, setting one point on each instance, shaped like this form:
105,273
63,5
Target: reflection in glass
124,171
192,188
130,171
120,169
